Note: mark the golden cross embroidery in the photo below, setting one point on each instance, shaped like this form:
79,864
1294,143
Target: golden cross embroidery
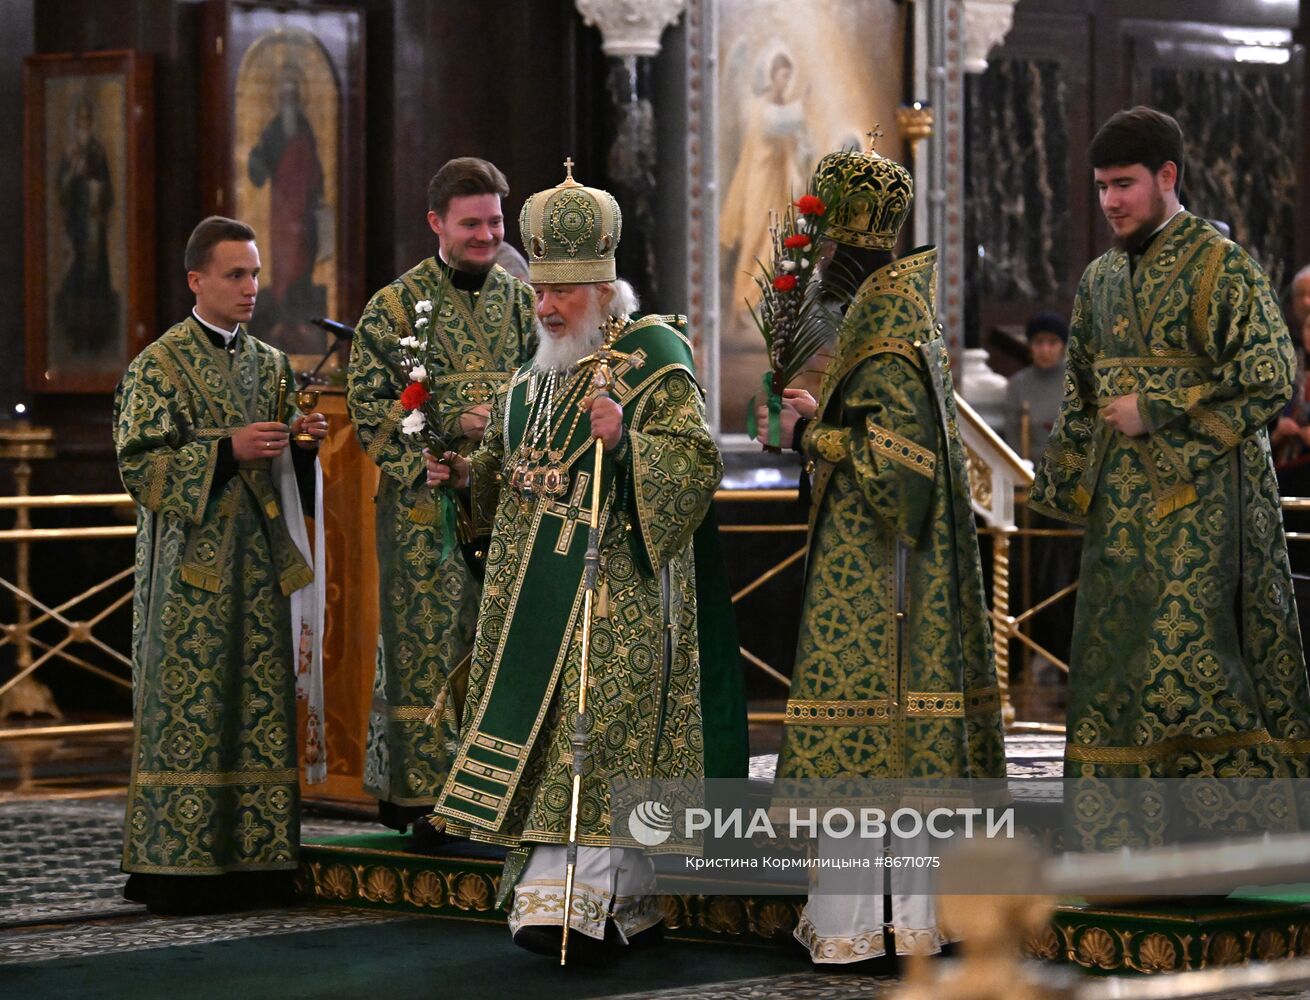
1175,625
571,514
1125,479
1183,552
1123,549
1121,326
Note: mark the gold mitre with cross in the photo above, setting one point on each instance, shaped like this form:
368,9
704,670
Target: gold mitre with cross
870,195
570,233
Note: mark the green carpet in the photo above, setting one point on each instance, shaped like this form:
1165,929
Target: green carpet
1296,892
425,956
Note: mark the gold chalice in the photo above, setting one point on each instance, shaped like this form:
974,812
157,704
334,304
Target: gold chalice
306,400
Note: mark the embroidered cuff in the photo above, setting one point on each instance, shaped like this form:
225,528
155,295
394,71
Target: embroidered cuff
824,442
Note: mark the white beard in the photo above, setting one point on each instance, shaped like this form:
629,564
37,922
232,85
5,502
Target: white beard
561,352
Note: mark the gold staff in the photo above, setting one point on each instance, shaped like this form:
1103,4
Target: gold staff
604,382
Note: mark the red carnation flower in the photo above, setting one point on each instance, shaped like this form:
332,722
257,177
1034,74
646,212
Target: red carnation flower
808,204
414,396
796,241
785,282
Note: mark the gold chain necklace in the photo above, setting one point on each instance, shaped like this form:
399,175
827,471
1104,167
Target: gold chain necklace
539,469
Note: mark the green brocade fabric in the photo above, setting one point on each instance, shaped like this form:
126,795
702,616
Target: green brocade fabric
511,781
1186,657
214,786
891,530
427,605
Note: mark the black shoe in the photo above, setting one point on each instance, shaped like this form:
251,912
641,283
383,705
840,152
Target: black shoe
429,835
544,939
648,938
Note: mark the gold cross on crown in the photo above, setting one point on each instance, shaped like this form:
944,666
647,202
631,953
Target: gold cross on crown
568,170
874,135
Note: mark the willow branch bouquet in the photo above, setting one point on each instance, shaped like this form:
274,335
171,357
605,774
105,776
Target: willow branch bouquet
791,317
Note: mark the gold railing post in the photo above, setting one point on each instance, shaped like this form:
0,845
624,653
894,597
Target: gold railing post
1001,620
29,696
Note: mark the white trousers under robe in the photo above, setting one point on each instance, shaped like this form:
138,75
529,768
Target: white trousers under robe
850,925
609,883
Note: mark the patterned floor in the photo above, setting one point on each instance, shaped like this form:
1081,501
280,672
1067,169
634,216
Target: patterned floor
53,942
60,859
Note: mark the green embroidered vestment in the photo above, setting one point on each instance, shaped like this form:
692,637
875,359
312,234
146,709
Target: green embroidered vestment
511,780
428,605
1186,657
214,786
891,530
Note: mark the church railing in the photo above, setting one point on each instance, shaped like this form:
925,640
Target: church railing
73,620
42,633
791,555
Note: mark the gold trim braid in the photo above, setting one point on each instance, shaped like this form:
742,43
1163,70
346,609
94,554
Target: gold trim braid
173,779
902,450
838,713
1185,744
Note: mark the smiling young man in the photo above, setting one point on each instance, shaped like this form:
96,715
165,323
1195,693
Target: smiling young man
428,604
213,809
1186,657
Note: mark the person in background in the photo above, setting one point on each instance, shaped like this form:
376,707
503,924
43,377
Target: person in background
1041,386
1290,434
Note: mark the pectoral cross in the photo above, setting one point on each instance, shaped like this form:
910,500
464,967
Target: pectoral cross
572,514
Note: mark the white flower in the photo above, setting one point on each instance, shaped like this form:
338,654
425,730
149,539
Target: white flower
423,306
787,265
420,323
414,422
410,342
418,373
805,263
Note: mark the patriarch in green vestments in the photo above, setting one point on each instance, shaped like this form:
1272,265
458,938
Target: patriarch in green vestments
1187,659
657,709
220,604
428,595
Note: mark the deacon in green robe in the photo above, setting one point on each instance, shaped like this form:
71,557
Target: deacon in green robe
213,808
533,479
894,675
1187,658
428,595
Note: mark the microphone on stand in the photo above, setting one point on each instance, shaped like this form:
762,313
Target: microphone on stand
339,331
